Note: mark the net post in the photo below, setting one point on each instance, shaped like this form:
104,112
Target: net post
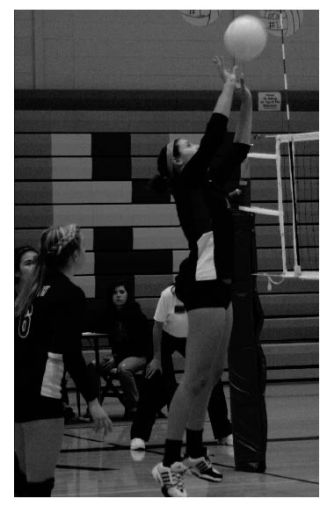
292,172
280,206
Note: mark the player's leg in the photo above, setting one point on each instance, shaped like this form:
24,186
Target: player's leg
217,406
19,461
167,349
152,398
126,371
218,413
204,363
200,464
43,439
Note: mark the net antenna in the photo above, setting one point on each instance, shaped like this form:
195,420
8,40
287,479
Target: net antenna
289,140
292,168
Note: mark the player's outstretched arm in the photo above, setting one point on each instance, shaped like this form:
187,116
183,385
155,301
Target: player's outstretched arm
244,128
155,364
229,78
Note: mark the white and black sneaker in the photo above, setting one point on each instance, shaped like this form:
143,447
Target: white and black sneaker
137,444
137,449
171,479
202,468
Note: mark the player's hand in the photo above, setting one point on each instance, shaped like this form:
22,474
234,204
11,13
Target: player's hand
244,92
101,420
227,76
235,193
153,367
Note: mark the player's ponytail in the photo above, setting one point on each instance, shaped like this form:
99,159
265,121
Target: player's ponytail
58,244
57,247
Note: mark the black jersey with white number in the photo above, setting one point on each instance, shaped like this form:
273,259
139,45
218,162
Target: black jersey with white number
203,208
47,340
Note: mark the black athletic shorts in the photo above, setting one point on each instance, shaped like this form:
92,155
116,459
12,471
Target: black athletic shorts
199,294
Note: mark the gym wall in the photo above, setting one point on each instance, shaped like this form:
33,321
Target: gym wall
98,93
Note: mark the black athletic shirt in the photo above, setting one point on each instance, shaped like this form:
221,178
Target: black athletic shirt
203,208
53,325
130,333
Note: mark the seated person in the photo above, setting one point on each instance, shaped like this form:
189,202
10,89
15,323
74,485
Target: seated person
130,340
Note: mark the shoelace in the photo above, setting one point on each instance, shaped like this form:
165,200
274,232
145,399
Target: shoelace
179,478
173,478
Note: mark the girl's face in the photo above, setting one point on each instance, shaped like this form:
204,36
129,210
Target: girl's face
186,151
27,264
119,296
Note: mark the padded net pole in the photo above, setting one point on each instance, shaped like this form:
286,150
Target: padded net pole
296,254
280,206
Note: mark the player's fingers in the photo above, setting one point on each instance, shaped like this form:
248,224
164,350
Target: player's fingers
218,61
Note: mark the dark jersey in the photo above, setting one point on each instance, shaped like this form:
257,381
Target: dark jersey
203,208
130,333
47,341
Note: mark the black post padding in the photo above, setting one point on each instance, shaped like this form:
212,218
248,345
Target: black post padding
247,366
40,489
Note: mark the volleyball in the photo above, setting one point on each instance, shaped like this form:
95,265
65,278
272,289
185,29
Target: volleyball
245,38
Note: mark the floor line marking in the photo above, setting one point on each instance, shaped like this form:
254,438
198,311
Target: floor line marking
161,445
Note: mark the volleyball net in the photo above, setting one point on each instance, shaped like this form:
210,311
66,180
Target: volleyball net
296,209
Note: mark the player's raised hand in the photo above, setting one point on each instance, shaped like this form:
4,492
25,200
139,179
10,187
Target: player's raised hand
243,90
226,75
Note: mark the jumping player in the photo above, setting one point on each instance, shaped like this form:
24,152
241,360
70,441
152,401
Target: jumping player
48,328
204,280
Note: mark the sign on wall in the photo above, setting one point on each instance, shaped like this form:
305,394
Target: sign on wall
269,101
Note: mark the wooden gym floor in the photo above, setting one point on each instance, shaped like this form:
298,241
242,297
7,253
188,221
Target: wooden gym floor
89,467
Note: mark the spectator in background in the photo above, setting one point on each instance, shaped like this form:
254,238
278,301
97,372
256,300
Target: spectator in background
130,340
